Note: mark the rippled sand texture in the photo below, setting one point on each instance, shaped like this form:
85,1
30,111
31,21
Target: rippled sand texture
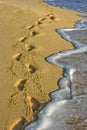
68,108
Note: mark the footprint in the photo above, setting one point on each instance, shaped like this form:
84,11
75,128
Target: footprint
29,47
33,103
52,17
30,68
17,57
20,84
22,39
42,19
18,124
39,21
29,27
33,33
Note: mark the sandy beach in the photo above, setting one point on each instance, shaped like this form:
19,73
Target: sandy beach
27,37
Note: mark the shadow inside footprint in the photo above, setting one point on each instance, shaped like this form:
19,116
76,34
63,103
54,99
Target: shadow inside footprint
38,23
30,27
34,103
52,17
18,124
17,57
22,39
20,84
33,33
29,47
32,69
40,20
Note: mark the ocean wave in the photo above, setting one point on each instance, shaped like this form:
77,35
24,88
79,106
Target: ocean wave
68,108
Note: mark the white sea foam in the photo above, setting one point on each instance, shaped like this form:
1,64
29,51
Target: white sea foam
65,111
71,72
77,44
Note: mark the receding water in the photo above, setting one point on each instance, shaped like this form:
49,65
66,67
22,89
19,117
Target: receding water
68,108
79,5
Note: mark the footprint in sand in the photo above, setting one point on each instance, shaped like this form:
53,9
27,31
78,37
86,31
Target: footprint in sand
20,84
40,20
33,33
30,68
22,39
33,104
52,17
38,23
29,47
18,124
17,57
30,27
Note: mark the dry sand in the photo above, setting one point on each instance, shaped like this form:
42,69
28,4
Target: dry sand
27,37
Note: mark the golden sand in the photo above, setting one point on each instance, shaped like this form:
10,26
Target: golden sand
27,37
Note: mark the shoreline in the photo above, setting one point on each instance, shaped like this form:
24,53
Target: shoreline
28,37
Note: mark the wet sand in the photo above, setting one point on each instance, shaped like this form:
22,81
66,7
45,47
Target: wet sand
27,37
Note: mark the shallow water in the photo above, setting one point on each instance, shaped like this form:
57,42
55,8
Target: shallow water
68,108
79,5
